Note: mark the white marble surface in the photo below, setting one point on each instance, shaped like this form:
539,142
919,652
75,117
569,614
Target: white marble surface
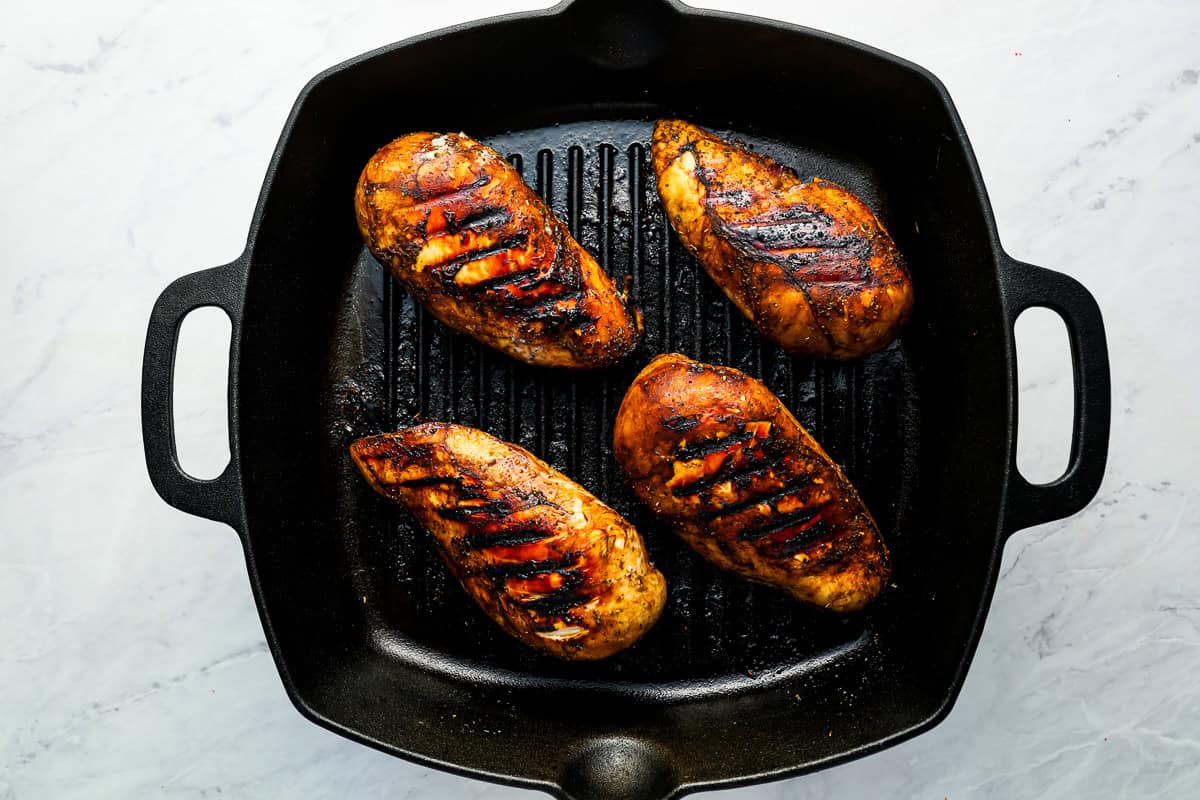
133,139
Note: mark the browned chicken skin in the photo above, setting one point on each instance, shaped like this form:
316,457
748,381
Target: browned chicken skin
548,562
477,247
714,453
807,262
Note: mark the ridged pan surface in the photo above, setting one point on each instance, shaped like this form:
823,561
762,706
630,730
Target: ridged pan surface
392,363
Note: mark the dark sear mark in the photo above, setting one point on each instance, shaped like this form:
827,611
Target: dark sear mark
563,318
748,455
480,540
449,268
792,226
531,569
547,308
710,446
479,220
475,508
778,524
799,238
560,600
739,476
732,198
804,537
424,197
555,604
507,281
431,480
680,424
552,297
463,512
749,502
743,478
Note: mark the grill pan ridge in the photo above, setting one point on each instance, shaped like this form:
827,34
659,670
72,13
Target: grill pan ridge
736,683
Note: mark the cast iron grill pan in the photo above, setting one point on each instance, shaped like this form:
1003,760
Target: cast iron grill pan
736,683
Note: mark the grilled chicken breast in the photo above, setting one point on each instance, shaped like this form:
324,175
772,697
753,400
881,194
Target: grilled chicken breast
807,262
717,455
547,561
461,231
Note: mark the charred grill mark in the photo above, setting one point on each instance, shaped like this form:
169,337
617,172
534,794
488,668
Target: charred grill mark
431,480
479,219
829,265
743,478
559,312
840,248
560,600
804,537
426,197
544,306
512,280
710,446
770,498
570,318
464,512
680,424
557,603
528,282
791,227
801,239
739,476
482,540
552,296
779,524
733,198
533,568
449,268
794,240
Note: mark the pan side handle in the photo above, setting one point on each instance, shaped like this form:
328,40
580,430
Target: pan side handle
218,499
1026,286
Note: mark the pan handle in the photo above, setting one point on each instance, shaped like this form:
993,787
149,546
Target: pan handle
218,499
576,6
619,768
1026,286
619,35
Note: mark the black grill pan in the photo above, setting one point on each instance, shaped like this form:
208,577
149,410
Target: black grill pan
736,683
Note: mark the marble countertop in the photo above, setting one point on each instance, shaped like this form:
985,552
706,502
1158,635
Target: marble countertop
134,140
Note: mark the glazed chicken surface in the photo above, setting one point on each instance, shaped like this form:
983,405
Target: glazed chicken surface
547,561
460,230
807,262
717,456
